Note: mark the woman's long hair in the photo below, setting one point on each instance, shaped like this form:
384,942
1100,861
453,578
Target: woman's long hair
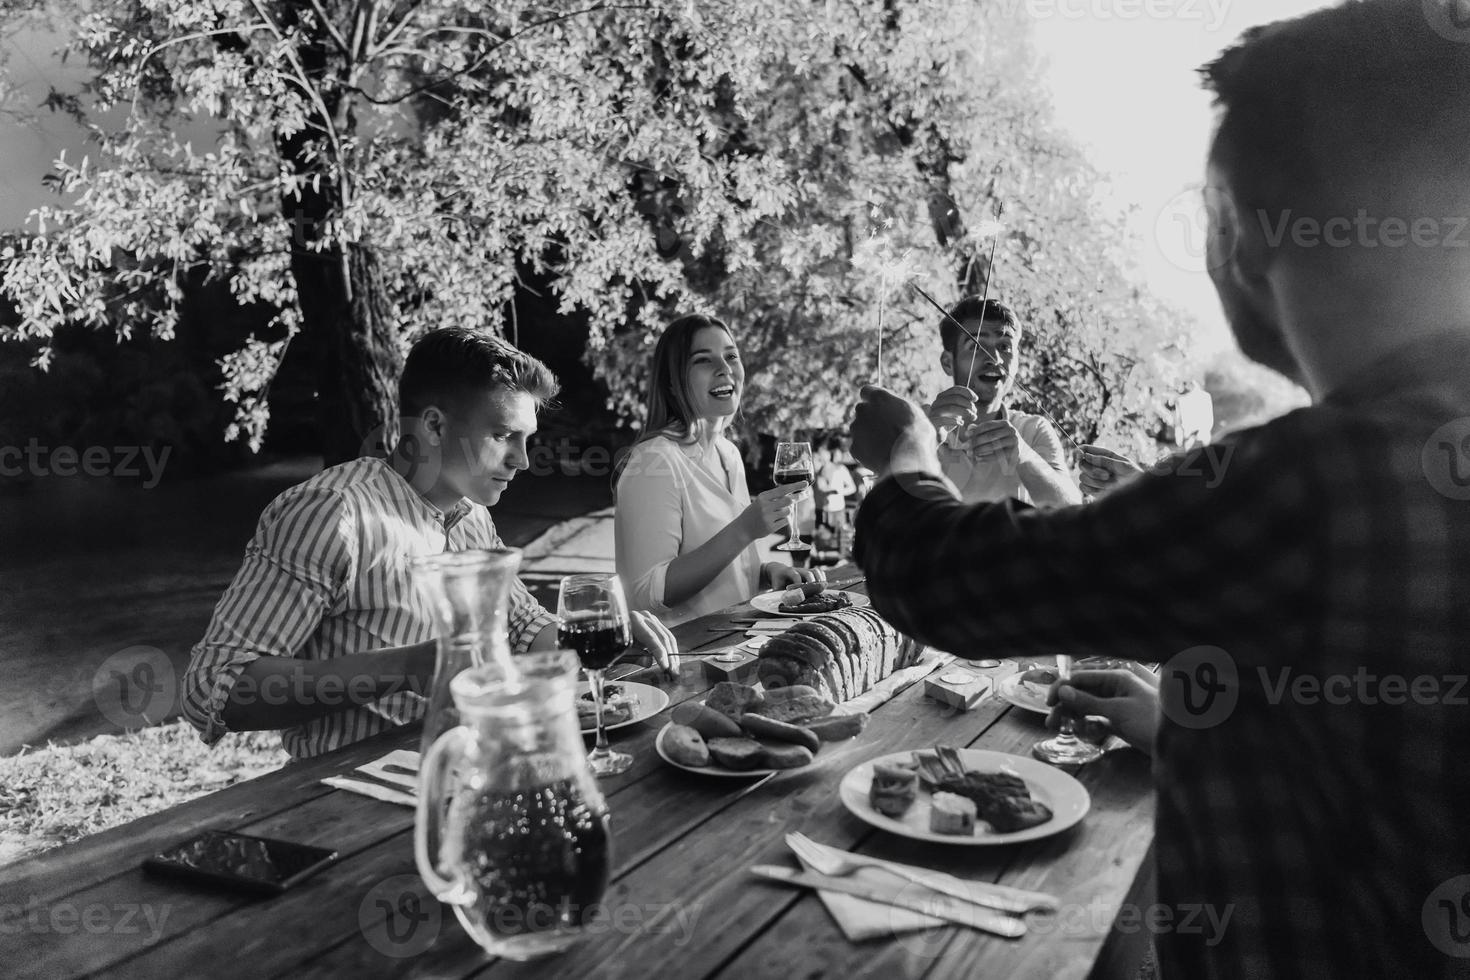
669,411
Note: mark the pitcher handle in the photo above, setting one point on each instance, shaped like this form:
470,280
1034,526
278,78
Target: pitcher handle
448,749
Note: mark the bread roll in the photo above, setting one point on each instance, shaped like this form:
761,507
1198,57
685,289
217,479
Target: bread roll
686,746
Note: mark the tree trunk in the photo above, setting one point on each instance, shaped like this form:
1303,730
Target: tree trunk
345,312
348,321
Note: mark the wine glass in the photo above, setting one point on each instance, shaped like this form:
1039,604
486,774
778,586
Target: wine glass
592,619
793,464
1065,748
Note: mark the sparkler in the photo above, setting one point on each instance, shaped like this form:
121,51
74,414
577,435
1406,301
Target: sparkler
875,257
1024,389
985,298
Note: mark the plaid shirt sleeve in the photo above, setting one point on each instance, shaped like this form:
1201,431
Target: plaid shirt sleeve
1179,557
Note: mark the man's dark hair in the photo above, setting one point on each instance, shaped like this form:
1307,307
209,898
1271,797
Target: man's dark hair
973,308
452,363
1316,108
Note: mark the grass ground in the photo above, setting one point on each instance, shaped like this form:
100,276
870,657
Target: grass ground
59,793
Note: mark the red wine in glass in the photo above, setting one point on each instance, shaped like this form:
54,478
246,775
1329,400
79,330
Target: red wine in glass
794,475
592,619
598,640
792,465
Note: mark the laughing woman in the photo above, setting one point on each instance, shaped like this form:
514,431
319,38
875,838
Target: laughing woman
685,523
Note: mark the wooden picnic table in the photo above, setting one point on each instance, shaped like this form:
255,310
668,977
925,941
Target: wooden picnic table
681,902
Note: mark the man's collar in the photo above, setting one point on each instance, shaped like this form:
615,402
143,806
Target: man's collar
449,518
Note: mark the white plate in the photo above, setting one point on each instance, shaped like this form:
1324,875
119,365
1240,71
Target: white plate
1067,798
1021,695
651,701
770,603
658,744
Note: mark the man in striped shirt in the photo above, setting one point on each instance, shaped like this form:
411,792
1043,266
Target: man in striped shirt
322,634
1305,583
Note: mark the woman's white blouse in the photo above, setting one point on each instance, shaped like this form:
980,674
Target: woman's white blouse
668,504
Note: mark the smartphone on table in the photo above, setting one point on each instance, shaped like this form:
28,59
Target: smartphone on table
259,865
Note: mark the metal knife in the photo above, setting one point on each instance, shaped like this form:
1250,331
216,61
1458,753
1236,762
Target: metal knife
1017,901
914,899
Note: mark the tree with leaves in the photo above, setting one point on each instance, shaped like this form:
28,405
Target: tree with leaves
369,169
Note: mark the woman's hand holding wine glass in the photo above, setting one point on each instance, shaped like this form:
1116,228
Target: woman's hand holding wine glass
771,511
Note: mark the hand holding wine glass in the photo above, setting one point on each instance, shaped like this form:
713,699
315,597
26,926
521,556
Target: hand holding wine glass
1065,748
593,620
793,465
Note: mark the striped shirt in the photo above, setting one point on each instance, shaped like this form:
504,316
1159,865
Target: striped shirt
1307,586
326,574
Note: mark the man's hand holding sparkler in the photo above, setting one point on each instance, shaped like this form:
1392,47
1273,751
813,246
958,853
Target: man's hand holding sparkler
954,409
1101,470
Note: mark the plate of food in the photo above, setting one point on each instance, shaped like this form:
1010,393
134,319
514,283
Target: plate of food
974,797
808,599
623,703
1027,689
740,730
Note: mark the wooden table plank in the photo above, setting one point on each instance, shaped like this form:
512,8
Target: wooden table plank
707,872
1081,866
682,847
162,956
642,829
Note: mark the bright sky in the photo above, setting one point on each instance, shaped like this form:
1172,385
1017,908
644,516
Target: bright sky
1124,83
1122,76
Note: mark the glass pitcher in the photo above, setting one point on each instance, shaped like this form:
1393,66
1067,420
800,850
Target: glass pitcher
468,594
512,831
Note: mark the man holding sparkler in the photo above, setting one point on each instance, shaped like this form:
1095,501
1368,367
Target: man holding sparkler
1324,813
988,451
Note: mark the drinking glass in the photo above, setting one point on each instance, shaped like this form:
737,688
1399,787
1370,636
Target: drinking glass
1065,748
593,620
793,464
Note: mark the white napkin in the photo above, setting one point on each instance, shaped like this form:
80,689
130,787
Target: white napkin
860,919
385,793
387,769
929,661
390,768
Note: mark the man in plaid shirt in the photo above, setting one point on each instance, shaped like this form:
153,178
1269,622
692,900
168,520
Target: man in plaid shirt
1307,582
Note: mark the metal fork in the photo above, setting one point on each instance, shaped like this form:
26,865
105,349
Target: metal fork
830,862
